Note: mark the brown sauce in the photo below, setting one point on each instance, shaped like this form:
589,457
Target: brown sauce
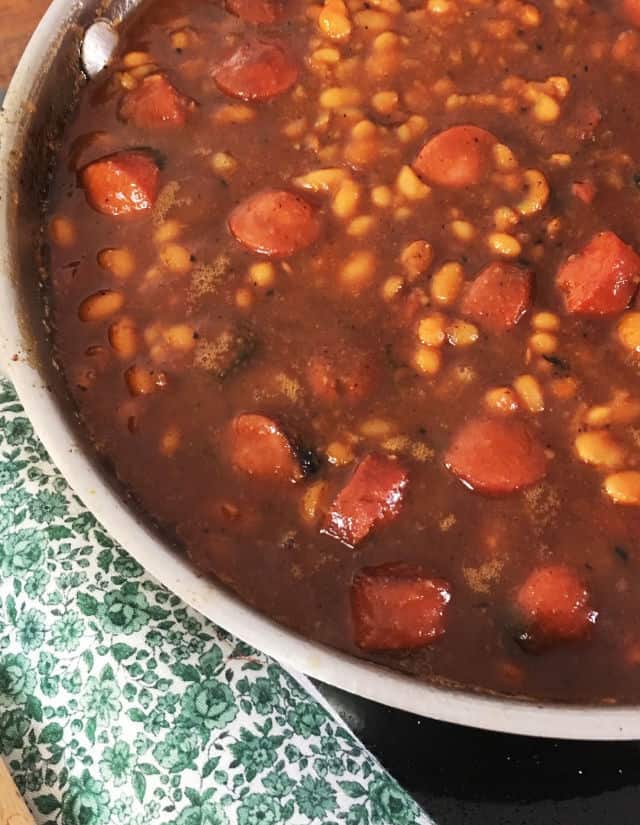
339,347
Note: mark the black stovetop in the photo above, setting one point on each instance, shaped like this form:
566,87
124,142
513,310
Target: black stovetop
463,776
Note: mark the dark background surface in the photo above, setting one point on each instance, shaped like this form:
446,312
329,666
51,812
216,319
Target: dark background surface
462,776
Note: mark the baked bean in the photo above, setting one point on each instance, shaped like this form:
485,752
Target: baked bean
462,334
62,231
312,501
133,59
446,283
629,331
502,400
358,270
224,164
530,392
142,381
624,487
120,262
100,305
599,448
432,330
176,258
416,258
427,360
333,20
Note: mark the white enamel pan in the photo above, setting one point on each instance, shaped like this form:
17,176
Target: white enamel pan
38,101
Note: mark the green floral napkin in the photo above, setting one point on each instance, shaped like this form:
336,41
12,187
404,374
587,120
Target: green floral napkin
120,704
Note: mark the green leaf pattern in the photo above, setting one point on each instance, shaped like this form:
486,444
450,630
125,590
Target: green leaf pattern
119,705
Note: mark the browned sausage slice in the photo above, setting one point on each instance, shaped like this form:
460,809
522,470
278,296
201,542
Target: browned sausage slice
274,222
257,70
496,457
258,447
499,296
600,279
459,156
121,184
372,496
256,11
553,605
397,607
154,104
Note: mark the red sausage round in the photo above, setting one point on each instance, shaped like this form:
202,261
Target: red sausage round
257,70
496,457
121,184
274,222
398,607
459,156
155,103
554,605
499,296
629,10
601,278
256,11
259,448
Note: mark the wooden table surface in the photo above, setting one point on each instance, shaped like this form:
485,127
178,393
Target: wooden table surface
18,18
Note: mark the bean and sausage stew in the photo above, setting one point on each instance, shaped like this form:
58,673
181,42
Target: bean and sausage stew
346,292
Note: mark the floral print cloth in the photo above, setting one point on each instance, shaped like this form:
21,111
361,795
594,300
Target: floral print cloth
121,705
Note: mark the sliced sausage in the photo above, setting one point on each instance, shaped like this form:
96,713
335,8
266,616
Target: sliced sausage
397,607
258,447
459,156
154,104
499,296
600,279
274,222
553,605
122,183
256,11
372,496
257,70
349,379
495,456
